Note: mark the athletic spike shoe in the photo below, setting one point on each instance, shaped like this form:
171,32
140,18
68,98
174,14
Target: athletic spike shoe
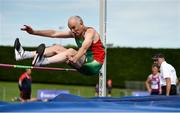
39,57
19,51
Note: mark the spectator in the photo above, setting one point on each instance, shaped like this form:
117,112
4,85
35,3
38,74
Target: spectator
167,75
153,81
97,90
25,85
109,87
25,88
178,87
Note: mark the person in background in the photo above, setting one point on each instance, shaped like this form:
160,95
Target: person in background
178,86
97,90
24,84
109,87
153,81
167,75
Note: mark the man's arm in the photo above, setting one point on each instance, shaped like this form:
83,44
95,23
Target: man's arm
160,89
168,86
47,33
86,44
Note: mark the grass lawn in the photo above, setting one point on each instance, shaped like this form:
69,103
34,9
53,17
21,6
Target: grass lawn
8,90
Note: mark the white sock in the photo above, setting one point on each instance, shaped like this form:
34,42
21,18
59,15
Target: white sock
45,61
28,54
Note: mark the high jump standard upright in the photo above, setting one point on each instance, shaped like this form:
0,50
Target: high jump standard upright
102,31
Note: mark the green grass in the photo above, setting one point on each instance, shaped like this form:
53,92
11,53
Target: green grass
8,90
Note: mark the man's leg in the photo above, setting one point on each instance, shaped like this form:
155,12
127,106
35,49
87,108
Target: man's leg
58,58
53,50
43,52
61,57
21,54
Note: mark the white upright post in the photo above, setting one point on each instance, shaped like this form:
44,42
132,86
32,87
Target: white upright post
102,30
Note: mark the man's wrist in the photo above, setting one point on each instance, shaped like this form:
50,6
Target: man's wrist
33,32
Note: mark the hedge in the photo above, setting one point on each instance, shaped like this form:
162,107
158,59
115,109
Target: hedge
123,64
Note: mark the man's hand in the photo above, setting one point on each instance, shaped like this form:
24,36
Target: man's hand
168,86
73,60
28,29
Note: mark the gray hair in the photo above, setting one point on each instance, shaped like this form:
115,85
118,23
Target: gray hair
77,18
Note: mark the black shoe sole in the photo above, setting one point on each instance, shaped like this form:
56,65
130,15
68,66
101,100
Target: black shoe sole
40,51
17,44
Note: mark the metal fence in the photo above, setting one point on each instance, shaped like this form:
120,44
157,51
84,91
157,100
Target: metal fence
135,85
7,94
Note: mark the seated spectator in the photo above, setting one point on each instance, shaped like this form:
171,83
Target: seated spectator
25,85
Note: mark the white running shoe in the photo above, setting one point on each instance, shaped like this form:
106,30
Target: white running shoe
39,57
19,51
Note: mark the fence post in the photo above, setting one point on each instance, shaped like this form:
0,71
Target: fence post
4,93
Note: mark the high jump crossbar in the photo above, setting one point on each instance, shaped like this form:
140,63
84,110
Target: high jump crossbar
35,67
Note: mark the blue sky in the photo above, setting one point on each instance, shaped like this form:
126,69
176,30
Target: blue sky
130,23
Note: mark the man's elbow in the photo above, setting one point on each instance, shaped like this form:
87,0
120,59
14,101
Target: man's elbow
53,36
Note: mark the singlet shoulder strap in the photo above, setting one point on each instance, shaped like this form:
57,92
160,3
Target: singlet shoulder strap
86,28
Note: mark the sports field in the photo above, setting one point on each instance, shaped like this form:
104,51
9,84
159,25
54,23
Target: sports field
8,90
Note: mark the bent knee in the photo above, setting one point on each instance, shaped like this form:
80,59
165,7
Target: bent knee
71,51
58,48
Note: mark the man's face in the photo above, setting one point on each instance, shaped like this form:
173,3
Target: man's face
28,71
155,61
75,26
158,61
